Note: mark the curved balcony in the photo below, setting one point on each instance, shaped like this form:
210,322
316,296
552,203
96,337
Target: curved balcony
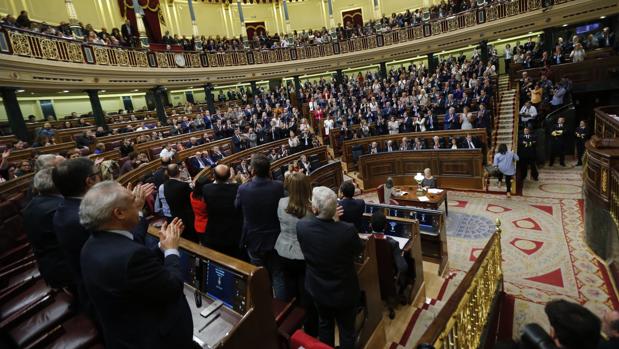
34,60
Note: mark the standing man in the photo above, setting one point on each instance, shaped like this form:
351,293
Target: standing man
353,208
224,226
330,249
176,193
557,142
137,294
528,155
582,135
258,199
72,179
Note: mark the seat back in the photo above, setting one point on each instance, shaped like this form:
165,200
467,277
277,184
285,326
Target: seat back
380,191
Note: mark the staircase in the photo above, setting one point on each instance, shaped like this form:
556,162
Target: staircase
504,128
422,316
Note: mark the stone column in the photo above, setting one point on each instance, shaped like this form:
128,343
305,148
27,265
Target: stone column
139,12
13,112
97,110
330,10
159,92
286,17
73,21
192,14
242,19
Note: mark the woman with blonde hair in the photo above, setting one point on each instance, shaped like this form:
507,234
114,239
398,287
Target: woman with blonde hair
290,210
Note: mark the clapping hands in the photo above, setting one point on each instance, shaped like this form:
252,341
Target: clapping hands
170,234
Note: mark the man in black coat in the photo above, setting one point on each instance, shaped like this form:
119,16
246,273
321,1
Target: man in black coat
177,194
330,249
127,32
138,295
225,222
528,155
160,175
353,208
38,218
258,200
73,178
558,142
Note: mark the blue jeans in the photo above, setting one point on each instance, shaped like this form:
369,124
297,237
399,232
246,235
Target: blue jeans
270,261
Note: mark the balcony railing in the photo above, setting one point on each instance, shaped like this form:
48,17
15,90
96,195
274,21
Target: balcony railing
35,45
461,323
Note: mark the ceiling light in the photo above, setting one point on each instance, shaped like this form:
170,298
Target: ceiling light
65,91
565,25
602,17
103,91
136,90
20,91
31,93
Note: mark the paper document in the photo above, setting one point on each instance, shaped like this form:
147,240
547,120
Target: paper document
401,241
423,198
435,191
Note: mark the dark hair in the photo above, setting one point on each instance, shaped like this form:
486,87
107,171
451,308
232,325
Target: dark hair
575,326
200,183
70,176
502,148
165,161
379,221
260,165
348,189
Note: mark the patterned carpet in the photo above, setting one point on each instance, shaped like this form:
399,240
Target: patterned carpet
545,256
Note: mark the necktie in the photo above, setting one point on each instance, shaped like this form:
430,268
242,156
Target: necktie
471,146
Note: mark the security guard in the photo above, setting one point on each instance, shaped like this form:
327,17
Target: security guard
527,154
582,135
557,142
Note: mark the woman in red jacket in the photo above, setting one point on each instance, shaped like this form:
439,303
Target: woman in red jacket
199,206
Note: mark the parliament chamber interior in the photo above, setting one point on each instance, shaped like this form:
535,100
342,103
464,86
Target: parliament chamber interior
287,174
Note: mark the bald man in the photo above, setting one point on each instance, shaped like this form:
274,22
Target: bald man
610,327
223,230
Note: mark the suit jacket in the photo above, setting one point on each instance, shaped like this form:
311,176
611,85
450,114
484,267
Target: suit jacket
72,236
138,297
258,200
225,222
177,195
330,249
38,223
353,212
127,32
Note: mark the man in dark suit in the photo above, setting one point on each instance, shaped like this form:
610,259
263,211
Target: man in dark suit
258,199
353,208
73,178
160,175
224,226
38,218
177,193
237,141
528,155
137,294
127,32
330,249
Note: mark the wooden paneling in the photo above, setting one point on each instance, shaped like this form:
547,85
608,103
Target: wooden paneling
348,145
329,175
454,169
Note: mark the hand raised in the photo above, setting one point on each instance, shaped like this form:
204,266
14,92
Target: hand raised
140,193
170,234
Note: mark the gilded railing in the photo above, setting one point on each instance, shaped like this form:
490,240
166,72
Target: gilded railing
464,318
35,45
614,196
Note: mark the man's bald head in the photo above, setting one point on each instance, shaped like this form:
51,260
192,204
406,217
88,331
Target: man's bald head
222,173
165,160
173,171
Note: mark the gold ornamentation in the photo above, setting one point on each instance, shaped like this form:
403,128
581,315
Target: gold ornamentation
101,55
194,58
141,59
534,4
452,24
162,60
242,57
20,44
49,49
75,53
512,8
604,180
122,57
212,59
418,32
437,28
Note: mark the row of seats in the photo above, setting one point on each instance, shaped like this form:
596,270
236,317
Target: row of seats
33,315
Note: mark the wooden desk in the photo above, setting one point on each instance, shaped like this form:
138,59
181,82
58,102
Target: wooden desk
411,199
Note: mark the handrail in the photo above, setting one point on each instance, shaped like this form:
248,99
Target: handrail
462,320
26,43
561,109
